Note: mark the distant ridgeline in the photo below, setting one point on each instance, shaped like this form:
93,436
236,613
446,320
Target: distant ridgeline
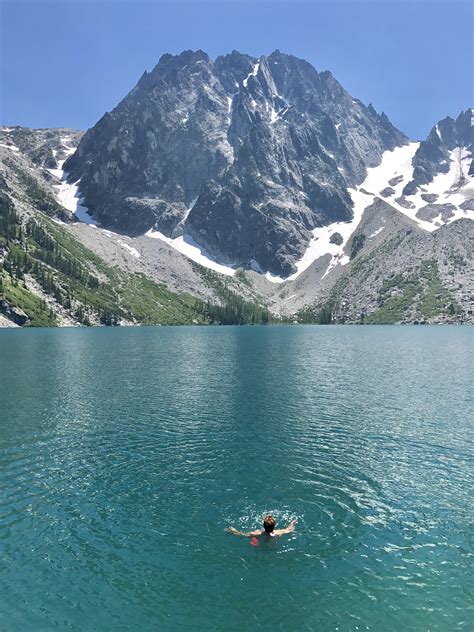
233,191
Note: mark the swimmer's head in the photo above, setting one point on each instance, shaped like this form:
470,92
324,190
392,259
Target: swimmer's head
269,523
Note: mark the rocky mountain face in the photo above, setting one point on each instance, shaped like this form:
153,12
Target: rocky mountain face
408,275
433,155
246,156
57,270
43,147
432,181
28,167
237,190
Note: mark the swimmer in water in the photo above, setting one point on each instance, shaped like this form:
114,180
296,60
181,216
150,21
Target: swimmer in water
268,529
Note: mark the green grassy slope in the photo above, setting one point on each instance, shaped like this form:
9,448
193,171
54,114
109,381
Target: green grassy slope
415,295
85,288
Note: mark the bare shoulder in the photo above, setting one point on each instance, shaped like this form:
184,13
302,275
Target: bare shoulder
253,534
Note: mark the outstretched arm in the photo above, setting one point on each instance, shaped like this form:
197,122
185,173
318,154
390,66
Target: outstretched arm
291,527
247,534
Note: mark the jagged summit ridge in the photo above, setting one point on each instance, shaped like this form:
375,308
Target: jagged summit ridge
433,154
247,156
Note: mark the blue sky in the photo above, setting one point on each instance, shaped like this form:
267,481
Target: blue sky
64,63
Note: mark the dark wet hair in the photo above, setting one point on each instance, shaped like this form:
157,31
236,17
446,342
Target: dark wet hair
269,523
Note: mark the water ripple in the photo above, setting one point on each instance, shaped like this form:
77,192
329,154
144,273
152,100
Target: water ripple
129,452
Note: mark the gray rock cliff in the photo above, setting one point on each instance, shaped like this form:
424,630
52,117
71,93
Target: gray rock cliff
433,154
245,155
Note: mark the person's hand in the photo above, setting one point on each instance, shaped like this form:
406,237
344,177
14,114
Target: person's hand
231,530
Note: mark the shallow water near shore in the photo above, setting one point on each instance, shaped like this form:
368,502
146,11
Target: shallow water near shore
124,454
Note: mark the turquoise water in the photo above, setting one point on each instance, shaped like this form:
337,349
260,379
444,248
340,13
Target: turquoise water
124,453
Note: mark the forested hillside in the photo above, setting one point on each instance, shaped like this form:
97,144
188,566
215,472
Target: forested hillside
48,278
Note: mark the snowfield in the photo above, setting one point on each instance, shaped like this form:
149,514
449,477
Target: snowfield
453,187
68,195
186,245
12,147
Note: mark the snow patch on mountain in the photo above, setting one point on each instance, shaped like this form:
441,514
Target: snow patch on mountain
396,161
133,251
189,209
12,147
186,245
386,180
67,194
376,232
253,73
453,187
395,170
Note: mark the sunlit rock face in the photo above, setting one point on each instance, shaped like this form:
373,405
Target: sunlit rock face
245,155
434,155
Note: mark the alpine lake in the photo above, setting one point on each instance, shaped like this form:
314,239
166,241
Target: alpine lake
126,452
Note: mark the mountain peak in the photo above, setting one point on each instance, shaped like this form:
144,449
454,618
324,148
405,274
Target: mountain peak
182,59
253,145
436,154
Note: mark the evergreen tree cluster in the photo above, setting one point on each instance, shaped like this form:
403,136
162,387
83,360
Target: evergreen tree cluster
10,225
53,255
18,263
316,316
357,244
40,197
234,311
108,317
35,252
